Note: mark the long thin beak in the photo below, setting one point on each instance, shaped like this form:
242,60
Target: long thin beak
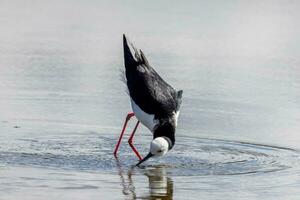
144,159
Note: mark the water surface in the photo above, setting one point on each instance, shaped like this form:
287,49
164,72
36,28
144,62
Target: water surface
62,102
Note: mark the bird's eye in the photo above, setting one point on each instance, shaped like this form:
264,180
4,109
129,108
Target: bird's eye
159,151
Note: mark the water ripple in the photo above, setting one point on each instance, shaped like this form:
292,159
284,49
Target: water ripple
191,156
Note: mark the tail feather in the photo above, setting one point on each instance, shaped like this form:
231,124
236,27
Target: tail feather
131,55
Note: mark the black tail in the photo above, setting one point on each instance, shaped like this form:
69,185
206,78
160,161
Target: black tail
131,57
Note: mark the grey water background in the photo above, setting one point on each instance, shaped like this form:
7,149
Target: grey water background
62,103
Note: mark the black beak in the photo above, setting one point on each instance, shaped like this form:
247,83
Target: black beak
144,159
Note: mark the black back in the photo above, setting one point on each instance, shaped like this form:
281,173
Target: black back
148,90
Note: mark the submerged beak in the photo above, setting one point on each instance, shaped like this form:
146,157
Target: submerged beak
144,159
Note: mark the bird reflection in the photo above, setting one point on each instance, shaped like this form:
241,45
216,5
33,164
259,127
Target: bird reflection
160,186
128,188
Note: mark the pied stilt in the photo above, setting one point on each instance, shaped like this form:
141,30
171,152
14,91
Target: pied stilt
154,103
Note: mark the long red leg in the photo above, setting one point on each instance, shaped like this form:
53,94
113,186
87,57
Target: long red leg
122,133
131,136
130,141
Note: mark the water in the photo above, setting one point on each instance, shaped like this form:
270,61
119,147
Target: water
62,102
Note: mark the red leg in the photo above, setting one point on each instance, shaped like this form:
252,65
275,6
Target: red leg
130,141
122,132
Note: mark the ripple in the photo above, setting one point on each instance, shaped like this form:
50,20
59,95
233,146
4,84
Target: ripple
218,157
190,156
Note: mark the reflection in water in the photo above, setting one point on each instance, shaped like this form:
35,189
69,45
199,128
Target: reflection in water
128,187
160,185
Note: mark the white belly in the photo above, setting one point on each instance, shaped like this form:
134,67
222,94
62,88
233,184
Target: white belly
145,118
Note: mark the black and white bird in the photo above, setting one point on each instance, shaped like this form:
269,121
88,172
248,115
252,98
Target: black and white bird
154,102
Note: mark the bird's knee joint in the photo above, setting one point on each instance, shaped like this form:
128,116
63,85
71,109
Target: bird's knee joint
129,116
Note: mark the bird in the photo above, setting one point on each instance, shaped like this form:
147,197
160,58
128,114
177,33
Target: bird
154,102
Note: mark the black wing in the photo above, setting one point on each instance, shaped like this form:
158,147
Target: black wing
147,89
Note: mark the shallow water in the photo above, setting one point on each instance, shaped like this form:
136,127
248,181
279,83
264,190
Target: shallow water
62,102
81,165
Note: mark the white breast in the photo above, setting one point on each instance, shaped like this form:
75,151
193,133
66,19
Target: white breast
145,118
